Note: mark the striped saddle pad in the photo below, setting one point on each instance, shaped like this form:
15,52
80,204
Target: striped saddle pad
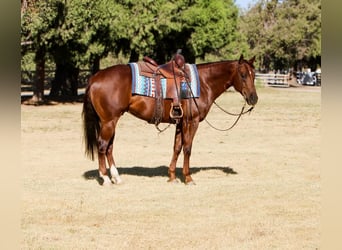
146,86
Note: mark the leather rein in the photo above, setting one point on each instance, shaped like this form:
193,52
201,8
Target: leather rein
237,119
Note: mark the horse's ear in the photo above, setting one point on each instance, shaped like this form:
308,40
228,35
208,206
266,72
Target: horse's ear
251,61
241,59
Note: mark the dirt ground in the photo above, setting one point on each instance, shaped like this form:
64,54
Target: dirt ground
258,185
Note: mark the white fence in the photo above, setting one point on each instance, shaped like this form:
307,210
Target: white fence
280,80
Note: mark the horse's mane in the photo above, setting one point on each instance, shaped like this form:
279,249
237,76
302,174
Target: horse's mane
215,63
210,64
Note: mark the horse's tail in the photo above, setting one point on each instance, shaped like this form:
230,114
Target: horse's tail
91,125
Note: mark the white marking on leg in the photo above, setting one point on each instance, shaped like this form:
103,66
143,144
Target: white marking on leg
115,175
106,180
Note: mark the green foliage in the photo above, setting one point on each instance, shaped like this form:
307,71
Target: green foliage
72,30
282,32
213,25
80,32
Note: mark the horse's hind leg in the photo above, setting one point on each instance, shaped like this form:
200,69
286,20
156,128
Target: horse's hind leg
111,163
105,148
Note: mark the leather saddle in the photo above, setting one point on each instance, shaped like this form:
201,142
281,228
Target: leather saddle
174,73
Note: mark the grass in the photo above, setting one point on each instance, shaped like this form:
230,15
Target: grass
258,185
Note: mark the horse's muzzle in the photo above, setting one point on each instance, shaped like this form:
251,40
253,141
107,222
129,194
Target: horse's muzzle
252,99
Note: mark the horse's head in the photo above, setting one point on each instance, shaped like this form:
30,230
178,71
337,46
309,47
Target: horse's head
244,80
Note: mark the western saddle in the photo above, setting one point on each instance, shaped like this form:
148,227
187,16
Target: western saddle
174,73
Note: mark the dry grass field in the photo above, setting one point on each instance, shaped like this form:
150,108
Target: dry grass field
258,185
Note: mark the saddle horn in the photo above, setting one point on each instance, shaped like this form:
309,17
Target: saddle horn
179,59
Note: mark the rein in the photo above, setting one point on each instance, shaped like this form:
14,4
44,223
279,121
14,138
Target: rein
225,111
161,130
237,119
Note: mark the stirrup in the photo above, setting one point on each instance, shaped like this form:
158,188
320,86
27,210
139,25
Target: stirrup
176,112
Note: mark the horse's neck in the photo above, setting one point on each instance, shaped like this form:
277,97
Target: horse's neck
218,80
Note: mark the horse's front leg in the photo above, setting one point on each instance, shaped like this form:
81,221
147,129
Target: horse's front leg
189,131
177,147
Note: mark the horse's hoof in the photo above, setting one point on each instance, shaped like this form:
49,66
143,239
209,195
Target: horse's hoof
117,181
107,184
105,181
174,181
190,183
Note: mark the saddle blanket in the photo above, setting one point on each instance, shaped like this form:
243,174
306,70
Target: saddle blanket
146,86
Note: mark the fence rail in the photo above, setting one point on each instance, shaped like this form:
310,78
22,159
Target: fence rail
28,78
281,80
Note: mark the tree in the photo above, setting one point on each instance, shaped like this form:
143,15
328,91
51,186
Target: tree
159,27
33,25
84,33
283,32
80,33
73,33
212,25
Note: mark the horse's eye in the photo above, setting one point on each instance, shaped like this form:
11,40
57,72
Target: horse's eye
244,76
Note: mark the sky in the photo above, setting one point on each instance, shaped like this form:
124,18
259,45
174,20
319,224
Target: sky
244,3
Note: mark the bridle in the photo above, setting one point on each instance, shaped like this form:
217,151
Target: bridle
233,114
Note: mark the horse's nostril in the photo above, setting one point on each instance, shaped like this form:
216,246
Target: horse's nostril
253,99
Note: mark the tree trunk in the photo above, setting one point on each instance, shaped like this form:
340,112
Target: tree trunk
38,91
95,65
58,84
65,83
73,79
134,57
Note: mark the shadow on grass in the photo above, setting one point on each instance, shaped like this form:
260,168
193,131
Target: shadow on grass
161,171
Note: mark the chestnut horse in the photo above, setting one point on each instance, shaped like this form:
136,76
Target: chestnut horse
109,95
